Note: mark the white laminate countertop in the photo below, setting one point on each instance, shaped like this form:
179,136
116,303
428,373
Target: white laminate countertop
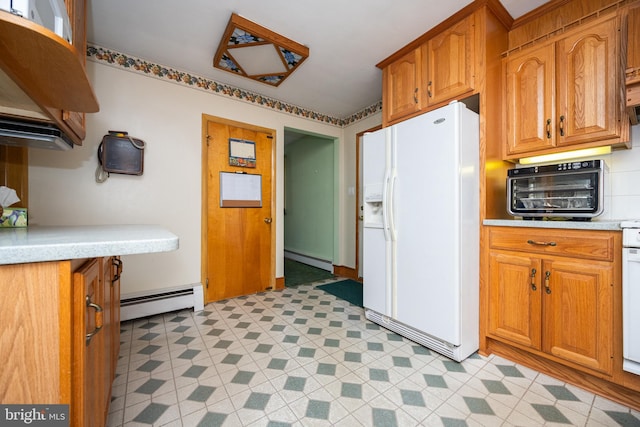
55,243
573,225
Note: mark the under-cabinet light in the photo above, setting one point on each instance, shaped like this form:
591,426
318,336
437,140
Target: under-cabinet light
596,151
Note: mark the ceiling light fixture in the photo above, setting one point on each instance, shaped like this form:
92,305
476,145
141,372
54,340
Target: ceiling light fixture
255,52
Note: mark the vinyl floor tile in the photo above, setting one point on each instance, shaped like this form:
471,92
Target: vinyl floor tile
302,357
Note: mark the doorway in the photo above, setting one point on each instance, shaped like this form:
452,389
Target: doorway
310,200
238,203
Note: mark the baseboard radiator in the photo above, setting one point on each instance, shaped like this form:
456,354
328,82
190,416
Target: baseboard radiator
309,260
415,335
134,306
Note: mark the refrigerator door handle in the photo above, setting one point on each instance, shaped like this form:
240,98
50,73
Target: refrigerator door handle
390,205
385,204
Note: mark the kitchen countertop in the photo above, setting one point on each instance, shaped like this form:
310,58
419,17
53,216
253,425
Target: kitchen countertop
574,225
55,243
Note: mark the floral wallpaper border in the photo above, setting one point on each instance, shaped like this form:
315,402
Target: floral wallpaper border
131,63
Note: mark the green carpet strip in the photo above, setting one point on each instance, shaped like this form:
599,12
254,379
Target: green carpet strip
348,290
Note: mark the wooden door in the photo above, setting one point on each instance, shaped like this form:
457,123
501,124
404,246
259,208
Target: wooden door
588,84
240,241
578,312
514,298
530,89
401,85
448,62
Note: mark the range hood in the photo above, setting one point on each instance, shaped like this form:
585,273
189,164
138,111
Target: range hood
21,133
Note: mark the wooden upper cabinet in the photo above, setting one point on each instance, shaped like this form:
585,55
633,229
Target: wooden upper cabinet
35,92
567,93
632,95
530,87
401,87
588,85
436,70
448,63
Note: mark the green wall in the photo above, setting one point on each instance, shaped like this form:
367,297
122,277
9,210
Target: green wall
309,197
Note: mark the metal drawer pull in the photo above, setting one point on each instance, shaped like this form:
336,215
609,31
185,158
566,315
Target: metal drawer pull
533,242
547,275
415,96
98,310
533,279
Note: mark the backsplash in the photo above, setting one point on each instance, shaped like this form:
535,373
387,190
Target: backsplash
621,178
622,192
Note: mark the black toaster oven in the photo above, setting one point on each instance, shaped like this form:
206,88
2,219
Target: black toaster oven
565,190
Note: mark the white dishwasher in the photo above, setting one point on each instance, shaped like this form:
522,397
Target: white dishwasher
631,296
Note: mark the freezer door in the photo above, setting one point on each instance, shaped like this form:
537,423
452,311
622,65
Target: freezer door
376,248
376,294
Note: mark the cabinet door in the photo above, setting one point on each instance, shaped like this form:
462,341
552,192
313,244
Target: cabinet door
530,86
578,312
449,63
88,345
589,79
515,298
400,87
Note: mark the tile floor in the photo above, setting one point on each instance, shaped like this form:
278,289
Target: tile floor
302,357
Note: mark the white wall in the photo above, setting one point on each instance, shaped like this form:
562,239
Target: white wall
168,117
348,161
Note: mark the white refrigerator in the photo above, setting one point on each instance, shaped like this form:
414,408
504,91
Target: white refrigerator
421,229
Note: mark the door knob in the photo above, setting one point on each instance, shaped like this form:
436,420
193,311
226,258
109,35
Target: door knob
267,220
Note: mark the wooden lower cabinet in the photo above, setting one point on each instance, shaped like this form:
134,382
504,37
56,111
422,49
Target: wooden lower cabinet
553,300
561,307
578,312
88,343
515,306
59,335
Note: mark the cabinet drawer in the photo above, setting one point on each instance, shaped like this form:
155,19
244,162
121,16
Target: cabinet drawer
561,242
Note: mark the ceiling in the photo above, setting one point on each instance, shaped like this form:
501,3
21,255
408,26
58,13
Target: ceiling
346,39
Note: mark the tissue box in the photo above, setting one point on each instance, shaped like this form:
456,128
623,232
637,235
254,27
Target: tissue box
13,217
